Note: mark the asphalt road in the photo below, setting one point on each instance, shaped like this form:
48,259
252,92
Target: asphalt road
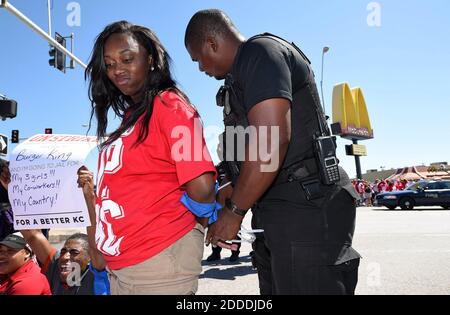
404,253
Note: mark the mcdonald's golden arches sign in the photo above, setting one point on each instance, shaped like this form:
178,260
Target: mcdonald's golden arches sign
350,115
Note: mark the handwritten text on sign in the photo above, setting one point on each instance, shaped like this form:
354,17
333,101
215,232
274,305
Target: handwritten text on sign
43,191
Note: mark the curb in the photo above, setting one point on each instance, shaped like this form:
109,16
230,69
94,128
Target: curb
60,236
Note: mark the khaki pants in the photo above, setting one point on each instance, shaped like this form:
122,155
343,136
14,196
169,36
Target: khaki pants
174,271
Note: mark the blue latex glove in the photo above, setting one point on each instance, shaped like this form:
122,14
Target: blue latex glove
202,210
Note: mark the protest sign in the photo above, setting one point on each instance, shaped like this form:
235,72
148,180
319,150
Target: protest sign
43,191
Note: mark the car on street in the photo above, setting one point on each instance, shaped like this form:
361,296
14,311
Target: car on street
422,193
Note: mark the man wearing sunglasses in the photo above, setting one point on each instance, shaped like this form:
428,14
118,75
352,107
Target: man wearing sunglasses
70,272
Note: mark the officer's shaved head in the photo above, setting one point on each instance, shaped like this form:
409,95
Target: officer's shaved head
208,23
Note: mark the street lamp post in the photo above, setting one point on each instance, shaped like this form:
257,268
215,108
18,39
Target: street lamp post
324,51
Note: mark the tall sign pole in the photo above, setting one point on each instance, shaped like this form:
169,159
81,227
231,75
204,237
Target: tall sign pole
357,161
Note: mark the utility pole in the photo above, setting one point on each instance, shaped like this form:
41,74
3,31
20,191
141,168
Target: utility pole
11,9
49,10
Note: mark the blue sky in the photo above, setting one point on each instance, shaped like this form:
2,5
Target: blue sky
403,66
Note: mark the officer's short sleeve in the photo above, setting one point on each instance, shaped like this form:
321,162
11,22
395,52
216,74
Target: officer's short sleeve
264,72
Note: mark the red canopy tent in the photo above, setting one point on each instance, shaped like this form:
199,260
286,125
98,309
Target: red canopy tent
407,173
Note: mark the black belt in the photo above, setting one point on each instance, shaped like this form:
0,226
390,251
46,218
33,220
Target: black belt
306,169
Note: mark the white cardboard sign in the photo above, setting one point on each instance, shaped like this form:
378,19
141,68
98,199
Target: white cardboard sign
43,191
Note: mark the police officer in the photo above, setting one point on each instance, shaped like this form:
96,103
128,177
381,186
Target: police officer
308,221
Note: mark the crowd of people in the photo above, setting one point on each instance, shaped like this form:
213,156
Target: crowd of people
369,190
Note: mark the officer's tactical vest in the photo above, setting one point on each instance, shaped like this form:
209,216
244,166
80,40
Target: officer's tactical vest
306,113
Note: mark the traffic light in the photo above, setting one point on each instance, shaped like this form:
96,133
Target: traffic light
15,136
58,59
52,53
48,131
8,108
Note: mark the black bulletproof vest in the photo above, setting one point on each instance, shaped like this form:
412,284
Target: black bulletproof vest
306,111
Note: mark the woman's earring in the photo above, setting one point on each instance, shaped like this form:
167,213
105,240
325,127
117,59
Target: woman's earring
152,68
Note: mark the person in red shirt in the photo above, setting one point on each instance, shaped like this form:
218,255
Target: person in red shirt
151,242
361,187
19,274
399,185
389,186
381,187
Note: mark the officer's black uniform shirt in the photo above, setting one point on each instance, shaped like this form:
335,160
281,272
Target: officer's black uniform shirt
265,69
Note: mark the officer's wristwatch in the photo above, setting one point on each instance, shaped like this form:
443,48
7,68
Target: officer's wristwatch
233,208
